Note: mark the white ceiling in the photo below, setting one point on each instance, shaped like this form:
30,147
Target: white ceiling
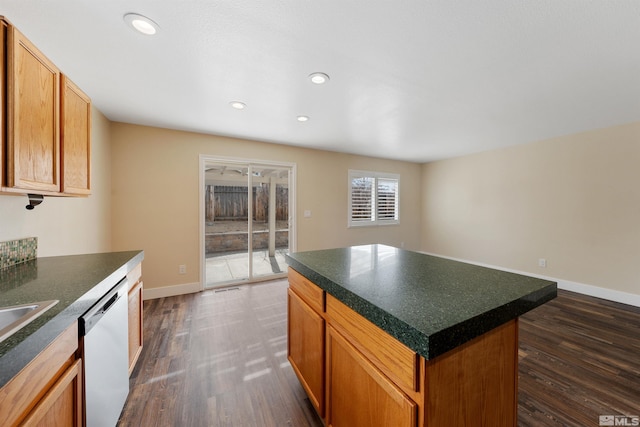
415,80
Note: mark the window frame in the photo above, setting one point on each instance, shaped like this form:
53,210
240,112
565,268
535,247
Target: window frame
376,176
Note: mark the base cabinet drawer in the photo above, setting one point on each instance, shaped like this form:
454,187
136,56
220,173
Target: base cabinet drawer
393,358
307,290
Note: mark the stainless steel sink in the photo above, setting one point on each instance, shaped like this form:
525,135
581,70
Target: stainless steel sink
14,318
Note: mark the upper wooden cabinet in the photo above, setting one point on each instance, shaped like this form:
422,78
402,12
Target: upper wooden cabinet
33,115
3,97
46,136
75,138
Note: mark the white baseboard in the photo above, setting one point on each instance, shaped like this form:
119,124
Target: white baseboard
170,291
581,288
594,291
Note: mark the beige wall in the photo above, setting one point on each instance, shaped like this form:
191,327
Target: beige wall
574,201
68,225
156,196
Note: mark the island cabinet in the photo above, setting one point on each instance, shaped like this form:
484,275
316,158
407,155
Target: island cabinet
48,391
371,379
306,330
45,122
359,394
134,277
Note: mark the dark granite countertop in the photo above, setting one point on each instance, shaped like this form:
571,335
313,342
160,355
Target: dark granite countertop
77,281
429,303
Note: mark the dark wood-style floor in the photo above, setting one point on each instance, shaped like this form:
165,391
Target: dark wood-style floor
579,359
219,359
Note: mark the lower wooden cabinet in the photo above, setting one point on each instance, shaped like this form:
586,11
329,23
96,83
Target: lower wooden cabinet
306,348
135,315
357,375
359,395
48,391
62,405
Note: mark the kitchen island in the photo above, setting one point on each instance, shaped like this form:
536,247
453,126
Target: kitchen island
382,336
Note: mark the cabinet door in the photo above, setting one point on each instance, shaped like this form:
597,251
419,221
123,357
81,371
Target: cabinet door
306,348
3,104
359,394
62,404
26,390
75,139
135,325
33,106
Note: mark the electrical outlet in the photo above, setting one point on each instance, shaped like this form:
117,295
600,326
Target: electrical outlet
542,263
182,269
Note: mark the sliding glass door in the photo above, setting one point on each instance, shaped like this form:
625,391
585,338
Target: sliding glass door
247,220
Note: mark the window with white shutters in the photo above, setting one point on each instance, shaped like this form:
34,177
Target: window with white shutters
373,198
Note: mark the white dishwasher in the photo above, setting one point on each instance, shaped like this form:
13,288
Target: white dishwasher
106,357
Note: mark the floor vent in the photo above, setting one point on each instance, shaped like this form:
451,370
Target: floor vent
226,289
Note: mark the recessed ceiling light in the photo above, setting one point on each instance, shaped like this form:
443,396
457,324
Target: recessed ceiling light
319,78
141,24
238,105
303,118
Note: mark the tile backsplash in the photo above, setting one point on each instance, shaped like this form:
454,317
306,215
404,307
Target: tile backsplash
18,251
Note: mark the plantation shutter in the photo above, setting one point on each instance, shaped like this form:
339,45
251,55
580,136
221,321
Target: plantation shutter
387,199
373,198
361,198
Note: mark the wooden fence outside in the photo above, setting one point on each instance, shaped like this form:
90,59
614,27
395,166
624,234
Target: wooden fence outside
224,202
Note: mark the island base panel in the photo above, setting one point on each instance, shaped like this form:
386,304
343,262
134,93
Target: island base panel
476,383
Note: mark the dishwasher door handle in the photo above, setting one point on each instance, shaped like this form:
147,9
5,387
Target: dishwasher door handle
109,303
95,313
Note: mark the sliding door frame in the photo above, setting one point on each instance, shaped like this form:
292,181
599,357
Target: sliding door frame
203,161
